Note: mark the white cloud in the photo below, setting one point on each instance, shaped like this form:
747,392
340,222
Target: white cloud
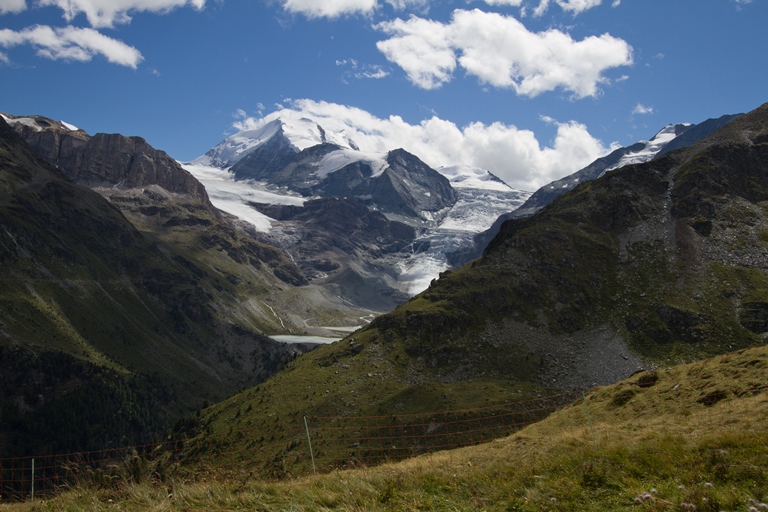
512,3
642,109
500,51
337,8
573,6
7,6
71,43
423,48
578,6
513,154
361,72
374,72
330,8
106,13
4,58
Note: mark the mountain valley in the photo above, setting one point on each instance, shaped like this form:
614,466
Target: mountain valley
651,265
137,274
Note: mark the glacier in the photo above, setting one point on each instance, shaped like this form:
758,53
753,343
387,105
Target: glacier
481,196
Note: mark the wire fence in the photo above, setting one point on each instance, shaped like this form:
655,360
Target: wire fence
277,449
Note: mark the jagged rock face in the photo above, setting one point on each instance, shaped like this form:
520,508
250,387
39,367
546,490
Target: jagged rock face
267,160
343,245
112,159
132,162
280,164
407,186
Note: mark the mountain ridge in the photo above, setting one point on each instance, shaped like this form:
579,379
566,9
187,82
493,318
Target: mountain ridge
445,206
651,265
684,135
124,321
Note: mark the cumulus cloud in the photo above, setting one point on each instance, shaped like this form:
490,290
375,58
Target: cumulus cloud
512,3
107,13
7,6
573,6
330,8
513,154
337,8
500,51
72,43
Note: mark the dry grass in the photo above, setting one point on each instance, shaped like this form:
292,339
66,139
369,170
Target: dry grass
663,447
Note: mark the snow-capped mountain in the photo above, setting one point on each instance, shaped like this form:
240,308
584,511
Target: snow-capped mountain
650,148
288,162
672,136
301,156
299,134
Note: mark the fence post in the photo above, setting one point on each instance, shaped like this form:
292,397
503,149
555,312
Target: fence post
586,405
306,427
33,479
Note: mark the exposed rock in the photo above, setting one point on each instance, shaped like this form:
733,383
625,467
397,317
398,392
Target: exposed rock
685,136
342,244
111,159
121,316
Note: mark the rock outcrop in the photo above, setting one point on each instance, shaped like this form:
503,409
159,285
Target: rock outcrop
107,159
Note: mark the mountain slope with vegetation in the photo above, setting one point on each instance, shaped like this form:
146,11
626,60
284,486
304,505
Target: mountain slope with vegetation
649,266
689,437
248,279
685,135
98,317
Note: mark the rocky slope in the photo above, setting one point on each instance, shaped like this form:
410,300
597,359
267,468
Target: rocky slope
650,265
155,294
344,245
669,138
254,283
106,159
288,162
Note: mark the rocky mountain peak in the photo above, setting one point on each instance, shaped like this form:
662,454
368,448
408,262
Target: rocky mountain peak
111,160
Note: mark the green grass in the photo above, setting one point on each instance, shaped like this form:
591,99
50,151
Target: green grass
646,449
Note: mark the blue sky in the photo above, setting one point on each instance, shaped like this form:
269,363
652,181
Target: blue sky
530,89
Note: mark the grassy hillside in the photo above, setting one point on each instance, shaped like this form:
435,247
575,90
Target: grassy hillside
652,265
116,291
98,315
690,437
